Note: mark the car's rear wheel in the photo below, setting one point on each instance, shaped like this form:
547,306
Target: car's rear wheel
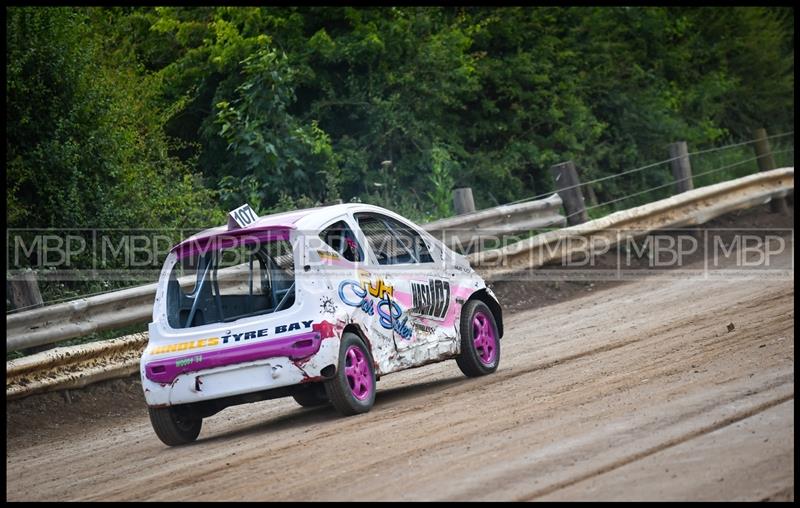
173,426
480,342
311,395
352,389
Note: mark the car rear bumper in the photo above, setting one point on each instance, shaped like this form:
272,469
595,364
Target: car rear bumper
240,373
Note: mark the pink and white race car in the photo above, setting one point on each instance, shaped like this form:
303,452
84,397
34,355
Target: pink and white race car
316,304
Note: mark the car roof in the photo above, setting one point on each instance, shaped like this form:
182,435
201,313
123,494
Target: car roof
312,219
307,219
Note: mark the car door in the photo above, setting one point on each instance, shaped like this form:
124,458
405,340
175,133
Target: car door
416,302
354,286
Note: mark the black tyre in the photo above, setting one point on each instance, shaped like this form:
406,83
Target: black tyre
352,389
480,342
173,426
311,395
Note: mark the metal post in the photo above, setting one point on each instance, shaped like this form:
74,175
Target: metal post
568,188
681,167
766,162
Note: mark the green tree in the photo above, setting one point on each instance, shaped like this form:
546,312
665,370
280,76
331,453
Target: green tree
84,144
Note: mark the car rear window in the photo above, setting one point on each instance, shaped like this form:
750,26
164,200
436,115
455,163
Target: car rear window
228,284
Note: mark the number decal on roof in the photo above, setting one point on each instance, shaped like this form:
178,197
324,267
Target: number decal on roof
244,216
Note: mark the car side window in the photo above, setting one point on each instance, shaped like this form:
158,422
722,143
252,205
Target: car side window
341,238
410,239
392,241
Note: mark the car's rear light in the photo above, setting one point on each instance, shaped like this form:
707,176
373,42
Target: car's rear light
324,328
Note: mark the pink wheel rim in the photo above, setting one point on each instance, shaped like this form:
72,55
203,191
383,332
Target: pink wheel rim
356,370
484,339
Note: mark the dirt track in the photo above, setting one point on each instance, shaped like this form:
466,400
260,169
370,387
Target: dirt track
635,392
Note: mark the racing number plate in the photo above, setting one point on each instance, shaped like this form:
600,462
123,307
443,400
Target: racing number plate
243,216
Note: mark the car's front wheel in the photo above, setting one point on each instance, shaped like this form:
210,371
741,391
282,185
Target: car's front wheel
352,389
480,342
174,426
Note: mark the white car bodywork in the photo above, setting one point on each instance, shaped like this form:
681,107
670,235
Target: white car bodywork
407,314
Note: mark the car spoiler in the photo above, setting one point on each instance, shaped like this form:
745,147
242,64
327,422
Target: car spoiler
222,239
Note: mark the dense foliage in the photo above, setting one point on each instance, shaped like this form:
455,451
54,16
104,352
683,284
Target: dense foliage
121,117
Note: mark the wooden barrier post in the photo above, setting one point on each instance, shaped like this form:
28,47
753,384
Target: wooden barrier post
766,162
681,167
462,199
590,195
568,188
23,293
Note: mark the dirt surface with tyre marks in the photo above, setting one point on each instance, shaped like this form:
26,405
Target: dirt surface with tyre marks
638,391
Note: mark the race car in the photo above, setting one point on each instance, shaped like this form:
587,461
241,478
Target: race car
316,304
